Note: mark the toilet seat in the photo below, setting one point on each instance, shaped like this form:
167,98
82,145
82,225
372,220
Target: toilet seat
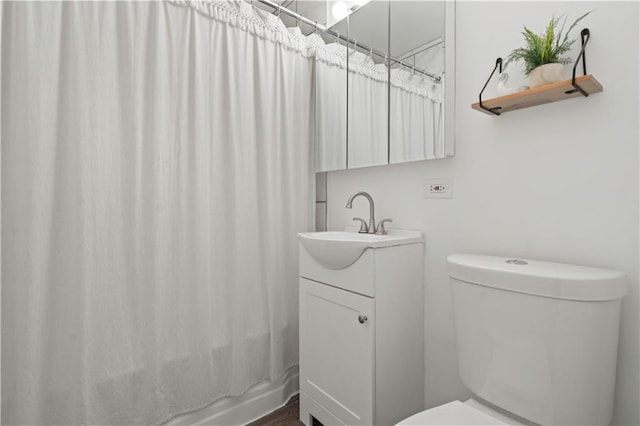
452,413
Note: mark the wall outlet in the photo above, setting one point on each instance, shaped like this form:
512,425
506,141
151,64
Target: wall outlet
438,188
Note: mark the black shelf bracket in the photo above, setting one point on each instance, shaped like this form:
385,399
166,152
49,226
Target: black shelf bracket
496,109
584,38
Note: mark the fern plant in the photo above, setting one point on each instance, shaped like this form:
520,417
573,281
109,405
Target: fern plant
545,48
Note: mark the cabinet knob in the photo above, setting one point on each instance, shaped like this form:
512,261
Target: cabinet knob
362,318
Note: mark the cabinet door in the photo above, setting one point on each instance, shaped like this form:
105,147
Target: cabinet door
336,351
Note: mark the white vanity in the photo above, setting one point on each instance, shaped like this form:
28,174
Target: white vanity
361,327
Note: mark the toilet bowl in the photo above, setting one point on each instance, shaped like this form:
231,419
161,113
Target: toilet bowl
536,342
470,412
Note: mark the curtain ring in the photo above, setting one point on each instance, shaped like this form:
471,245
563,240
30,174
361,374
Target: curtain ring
316,29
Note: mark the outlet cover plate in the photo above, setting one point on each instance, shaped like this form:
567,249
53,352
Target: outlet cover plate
438,188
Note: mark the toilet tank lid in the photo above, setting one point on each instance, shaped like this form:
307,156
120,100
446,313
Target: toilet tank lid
548,279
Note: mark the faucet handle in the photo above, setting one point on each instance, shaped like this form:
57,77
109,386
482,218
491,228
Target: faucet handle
380,228
363,226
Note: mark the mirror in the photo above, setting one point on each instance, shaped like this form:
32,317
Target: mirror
406,115
365,120
416,119
367,108
330,70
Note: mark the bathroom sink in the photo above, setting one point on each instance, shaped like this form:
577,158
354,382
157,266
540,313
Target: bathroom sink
339,249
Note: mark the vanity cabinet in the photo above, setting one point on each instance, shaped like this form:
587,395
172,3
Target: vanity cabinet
338,350
362,338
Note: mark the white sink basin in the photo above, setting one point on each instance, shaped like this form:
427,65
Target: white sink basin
339,249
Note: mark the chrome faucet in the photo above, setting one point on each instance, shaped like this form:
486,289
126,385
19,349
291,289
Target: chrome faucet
371,228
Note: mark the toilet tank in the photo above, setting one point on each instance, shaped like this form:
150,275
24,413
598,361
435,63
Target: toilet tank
538,339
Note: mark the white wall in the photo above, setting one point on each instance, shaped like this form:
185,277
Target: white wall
557,182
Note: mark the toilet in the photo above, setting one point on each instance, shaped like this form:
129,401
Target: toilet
536,342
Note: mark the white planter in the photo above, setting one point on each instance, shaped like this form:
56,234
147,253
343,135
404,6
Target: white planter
546,74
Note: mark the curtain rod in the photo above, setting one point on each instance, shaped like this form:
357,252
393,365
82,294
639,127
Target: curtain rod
348,41
426,46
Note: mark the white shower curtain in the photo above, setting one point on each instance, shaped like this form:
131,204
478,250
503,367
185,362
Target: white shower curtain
156,166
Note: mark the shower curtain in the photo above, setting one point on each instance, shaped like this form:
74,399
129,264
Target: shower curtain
156,166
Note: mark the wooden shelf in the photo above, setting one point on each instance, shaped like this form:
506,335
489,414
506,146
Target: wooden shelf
541,95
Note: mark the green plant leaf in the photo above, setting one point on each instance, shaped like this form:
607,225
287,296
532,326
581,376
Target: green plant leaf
547,47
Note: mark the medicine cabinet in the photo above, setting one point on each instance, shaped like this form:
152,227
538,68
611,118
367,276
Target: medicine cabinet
392,101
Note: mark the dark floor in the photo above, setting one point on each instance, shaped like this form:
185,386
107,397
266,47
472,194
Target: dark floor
289,415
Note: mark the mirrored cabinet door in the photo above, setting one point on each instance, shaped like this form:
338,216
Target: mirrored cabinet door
331,106
367,110
416,101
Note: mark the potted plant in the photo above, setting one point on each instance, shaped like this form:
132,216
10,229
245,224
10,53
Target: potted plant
542,55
